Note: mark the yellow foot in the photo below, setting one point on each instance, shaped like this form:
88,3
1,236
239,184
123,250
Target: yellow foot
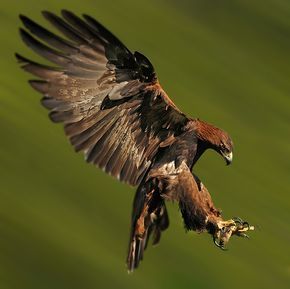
226,229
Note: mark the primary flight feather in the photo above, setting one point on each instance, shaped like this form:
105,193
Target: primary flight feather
115,111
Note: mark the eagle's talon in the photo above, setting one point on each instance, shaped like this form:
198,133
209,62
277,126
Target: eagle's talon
219,244
225,229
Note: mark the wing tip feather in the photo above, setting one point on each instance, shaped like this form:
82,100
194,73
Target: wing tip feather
39,85
46,14
20,58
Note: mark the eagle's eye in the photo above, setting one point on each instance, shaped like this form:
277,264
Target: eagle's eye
224,148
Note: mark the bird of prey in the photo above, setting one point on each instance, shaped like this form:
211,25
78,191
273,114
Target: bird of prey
115,111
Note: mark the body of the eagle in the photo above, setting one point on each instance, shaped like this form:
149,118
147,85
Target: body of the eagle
115,111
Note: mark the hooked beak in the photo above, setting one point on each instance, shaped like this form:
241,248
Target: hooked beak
228,157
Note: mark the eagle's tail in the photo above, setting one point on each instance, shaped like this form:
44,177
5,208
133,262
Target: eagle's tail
149,218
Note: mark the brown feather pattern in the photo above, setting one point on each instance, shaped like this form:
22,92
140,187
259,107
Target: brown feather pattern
97,91
114,111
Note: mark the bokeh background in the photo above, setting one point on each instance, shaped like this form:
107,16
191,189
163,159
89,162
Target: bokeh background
65,224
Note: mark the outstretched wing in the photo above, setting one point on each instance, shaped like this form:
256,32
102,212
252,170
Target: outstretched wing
110,101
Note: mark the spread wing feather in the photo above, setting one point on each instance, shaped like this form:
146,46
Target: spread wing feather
110,101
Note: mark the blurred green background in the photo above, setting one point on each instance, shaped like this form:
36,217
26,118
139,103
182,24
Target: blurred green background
65,224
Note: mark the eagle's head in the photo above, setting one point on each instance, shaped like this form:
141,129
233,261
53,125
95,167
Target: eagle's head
215,138
224,146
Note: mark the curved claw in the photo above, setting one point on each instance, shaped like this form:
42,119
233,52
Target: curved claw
221,246
246,224
238,220
243,235
215,242
242,225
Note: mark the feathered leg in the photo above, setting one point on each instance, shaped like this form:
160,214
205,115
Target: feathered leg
149,216
200,214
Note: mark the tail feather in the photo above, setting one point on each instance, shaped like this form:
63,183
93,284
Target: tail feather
154,225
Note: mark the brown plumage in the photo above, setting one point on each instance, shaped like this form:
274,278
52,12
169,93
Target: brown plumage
115,112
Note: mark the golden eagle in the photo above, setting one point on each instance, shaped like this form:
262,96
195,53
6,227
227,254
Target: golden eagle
115,111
